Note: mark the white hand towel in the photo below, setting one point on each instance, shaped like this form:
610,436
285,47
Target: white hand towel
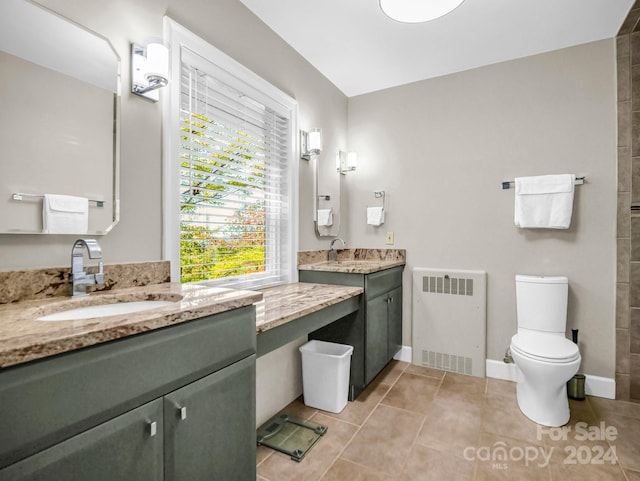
375,215
65,214
325,217
544,201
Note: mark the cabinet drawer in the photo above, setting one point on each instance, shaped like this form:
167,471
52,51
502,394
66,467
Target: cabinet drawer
47,401
383,281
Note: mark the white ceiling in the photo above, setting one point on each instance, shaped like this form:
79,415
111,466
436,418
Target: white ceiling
361,50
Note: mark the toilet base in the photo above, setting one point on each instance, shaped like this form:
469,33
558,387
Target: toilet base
546,405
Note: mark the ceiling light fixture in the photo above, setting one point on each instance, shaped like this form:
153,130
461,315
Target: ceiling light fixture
416,11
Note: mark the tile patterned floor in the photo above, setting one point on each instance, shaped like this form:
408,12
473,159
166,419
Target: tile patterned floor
419,424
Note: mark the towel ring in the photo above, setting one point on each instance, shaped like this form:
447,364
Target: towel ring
379,194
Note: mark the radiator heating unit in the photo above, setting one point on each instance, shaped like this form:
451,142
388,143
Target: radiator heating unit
450,320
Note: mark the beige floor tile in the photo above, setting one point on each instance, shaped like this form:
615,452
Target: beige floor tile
498,386
263,453
502,416
585,462
633,475
298,409
279,467
384,441
412,392
451,425
426,464
425,371
627,443
357,411
504,458
343,470
373,441
602,406
462,387
391,372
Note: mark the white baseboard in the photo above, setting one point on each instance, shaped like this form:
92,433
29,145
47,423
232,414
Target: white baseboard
502,370
593,386
600,386
404,354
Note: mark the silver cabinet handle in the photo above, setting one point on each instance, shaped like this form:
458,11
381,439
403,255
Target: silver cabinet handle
153,429
183,412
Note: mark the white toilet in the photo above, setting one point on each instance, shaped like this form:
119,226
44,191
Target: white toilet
545,357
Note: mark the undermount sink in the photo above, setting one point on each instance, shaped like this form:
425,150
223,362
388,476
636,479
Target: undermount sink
105,310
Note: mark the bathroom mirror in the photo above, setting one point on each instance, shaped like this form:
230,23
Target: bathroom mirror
59,118
327,199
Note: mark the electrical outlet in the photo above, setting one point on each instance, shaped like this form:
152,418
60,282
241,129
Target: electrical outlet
390,238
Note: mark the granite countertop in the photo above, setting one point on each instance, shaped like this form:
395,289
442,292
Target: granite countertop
285,303
23,338
351,266
354,261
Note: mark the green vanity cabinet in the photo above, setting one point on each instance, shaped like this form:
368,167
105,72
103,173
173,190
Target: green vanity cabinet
176,403
212,415
375,330
383,331
125,448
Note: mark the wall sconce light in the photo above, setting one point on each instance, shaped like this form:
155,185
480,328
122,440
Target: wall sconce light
310,143
149,69
346,162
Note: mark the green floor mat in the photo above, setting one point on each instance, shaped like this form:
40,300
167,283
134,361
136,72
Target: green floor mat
290,435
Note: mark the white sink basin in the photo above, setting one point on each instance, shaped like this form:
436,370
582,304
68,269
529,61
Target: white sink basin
104,310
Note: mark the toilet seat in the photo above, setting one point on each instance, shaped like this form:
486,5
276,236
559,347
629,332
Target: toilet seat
546,347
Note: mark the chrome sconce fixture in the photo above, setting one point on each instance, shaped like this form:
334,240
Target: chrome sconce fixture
310,143
149,69
346,162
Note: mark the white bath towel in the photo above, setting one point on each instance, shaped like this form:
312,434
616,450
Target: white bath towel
375,216
65,214
544,201
325,217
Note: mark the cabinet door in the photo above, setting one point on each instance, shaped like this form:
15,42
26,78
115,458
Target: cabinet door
377,337
129,447
395,321
210,431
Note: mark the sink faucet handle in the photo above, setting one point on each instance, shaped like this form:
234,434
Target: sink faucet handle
99,276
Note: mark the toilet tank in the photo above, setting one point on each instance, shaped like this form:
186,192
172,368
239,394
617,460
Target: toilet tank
541,303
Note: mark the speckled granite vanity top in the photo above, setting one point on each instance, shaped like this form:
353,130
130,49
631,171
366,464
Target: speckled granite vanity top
27,295
282,304
23,338
355,261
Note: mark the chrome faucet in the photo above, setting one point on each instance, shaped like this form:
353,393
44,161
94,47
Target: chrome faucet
333,254
80,280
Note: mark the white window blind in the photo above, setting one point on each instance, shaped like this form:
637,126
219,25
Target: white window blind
235,179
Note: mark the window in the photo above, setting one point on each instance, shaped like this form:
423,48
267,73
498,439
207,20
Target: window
230,177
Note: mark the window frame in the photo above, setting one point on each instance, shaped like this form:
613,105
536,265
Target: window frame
178,37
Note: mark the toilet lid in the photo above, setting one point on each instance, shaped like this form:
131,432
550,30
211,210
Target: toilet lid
545,346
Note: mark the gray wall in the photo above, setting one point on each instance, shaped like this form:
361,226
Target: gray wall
229,26
441,148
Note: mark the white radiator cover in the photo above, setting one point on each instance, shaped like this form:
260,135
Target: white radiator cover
450,320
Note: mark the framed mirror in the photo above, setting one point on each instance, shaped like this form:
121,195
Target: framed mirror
59,118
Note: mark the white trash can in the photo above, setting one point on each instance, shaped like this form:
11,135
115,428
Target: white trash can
325,375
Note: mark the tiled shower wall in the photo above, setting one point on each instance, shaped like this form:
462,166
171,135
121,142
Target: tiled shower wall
628,226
